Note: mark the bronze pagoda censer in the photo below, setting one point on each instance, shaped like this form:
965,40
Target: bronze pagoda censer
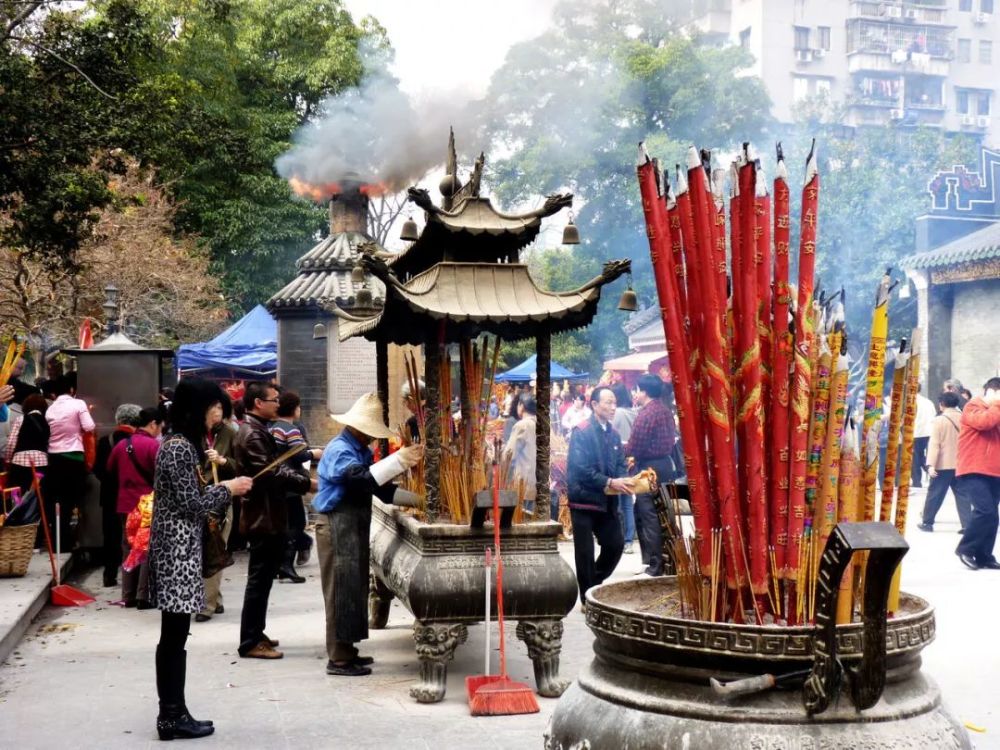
461,278
774,634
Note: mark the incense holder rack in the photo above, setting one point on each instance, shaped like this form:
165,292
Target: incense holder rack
436,571
649,684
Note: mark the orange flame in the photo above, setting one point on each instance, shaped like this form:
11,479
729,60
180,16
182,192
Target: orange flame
318,193
374,189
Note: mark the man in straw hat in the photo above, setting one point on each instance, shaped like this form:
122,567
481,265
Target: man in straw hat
347,480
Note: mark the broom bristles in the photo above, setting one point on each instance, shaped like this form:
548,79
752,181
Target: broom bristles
502,697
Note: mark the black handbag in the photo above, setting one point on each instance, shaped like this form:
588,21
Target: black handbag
214,554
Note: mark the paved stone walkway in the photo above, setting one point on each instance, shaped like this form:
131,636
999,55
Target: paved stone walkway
84,677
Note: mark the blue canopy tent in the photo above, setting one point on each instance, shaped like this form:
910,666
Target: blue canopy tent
525,371
247,350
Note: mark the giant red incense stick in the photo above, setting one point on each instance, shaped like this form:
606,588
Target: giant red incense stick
692,436
781,349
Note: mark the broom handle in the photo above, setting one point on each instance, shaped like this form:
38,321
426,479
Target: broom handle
58,538
488,566
45,522
496,545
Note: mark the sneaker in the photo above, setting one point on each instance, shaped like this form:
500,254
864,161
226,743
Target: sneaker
262,651
628,548
925,527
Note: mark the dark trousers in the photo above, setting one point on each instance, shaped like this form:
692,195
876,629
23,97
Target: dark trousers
939,486
982,492
919,460
647,525
63,484
112,525
298,539
588,524
171,662
266,553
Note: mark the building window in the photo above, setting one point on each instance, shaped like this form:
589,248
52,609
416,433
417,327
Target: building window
965,5
964,50
824,37
985,6
985,52
745,38
800,88
823,87
962,102
801,37
983,103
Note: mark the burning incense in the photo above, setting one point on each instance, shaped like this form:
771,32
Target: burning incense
895,424
873,398
848,493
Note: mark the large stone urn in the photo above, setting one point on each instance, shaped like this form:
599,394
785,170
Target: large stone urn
649,685
437,572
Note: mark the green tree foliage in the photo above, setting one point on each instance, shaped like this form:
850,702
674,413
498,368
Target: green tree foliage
208,92
568,108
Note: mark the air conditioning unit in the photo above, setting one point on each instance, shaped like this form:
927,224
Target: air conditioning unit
983,121
982,18
804,55
896,114
894,11
819,53
968,120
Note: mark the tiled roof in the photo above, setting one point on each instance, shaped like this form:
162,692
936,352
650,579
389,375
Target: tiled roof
983,244
489,294
324,276
640,319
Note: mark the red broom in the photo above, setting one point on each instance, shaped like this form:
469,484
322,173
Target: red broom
498,695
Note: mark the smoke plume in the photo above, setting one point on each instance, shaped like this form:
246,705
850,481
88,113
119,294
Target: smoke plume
373,134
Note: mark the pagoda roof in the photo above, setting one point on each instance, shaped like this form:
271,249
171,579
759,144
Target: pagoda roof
473,231
981,245
470,298
324,276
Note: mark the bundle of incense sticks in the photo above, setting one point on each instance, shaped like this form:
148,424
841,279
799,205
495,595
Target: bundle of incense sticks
11,356
463,441
760,373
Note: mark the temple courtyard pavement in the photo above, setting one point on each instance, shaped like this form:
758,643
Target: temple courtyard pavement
83,677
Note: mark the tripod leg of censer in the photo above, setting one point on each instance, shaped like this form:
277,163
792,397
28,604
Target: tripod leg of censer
435,645
544,641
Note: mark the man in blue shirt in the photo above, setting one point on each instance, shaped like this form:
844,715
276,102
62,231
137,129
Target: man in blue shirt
347,480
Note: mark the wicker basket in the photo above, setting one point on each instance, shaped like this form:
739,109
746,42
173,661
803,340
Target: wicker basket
16,546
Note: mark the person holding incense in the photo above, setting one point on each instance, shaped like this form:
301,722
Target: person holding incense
264,514
596,477
649,446
348,478
977,475
219,465
175,552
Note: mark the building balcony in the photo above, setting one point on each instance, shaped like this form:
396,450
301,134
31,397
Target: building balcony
871,101
931,12
709,18
886,62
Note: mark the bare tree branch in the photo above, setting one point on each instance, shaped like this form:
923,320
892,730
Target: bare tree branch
20,17
64,61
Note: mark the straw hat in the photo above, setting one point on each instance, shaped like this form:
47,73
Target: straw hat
365,416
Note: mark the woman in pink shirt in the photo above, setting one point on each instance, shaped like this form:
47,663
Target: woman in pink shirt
68,419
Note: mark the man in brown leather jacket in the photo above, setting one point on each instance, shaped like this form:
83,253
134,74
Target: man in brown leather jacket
264,515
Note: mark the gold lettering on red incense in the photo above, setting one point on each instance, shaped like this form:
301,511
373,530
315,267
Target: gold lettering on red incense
810,219
809,247
783,222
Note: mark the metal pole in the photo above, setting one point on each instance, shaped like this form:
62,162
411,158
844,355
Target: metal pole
543,393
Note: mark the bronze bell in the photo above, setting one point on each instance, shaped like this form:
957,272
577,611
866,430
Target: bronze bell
364,297
357,275
319,331
571,235
409,231
629,301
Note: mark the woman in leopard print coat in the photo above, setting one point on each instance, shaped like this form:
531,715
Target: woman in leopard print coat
180,507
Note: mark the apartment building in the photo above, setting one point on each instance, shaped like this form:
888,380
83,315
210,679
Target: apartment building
900,62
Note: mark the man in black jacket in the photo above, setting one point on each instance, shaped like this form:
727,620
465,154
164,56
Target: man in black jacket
264,517
595,467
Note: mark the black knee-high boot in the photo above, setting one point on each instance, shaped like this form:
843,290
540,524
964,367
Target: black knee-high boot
174,721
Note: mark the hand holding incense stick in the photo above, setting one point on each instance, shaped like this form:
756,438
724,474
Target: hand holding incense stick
294,451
